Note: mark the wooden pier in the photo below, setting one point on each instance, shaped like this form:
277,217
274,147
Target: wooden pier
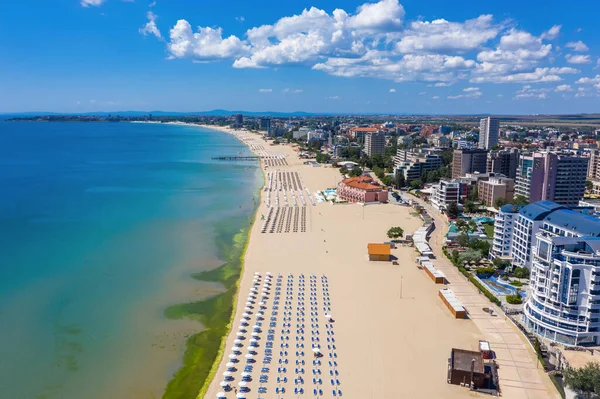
237,158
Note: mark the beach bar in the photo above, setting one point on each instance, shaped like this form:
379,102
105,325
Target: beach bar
433,273
466,368
453,304
379,252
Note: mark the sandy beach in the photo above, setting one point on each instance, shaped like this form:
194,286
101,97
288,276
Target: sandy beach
393,335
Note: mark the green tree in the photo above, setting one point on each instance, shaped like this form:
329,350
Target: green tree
471,207
461,225
588,185
387,180
416,184
470,256
395,232
452,210
463,239
521,272
323,158
520,200
499,203
400,181
343,170
584,380
474,194
356,171
514,299
481,246
500,264
472,225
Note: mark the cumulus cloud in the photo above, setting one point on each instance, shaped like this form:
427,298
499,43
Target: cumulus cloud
87,3
577,46
265,90
529,92
375,41
469,92
563,88
150,28
207,43
578,59
392,90
552,33
436,97
240,19
445,36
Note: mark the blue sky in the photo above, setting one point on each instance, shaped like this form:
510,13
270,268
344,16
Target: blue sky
388,56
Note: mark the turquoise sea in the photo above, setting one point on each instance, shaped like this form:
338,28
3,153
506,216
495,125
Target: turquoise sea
101,226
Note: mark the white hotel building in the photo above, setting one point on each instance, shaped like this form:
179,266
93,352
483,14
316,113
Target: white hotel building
561,247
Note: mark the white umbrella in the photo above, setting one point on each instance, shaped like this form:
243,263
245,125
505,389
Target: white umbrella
247,308
237,341
243,383
261,303
240,395
224,383
249,356
316,350
221,395
248,303
230,364
328,316
253,340
246,314
246,374
255,334
227,373
242,320
268,273
232,356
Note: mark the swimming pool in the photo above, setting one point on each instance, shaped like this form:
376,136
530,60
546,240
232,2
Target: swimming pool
500,287
330,192
483,220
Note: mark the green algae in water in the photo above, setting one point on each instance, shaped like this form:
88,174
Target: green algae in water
214,313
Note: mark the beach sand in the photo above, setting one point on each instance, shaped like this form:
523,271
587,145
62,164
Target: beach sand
393,334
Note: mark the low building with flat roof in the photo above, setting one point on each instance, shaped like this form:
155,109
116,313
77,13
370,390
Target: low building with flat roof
379,252
466,367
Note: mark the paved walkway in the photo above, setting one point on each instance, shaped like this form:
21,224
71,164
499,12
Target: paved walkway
520,374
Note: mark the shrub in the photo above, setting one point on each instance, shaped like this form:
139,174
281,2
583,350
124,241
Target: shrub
488,270
514,299
516,283
521,272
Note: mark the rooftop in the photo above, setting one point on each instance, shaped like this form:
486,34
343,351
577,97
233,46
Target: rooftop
462,359
361,183
576,221
379,249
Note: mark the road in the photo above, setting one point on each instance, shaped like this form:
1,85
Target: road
520,374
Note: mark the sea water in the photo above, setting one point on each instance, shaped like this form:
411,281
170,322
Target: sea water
101,226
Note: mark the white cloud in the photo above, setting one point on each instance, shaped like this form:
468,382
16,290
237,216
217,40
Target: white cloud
333,97
392,90
374,41
150,28
444,36
469,92
538,75
207,43
578,59
87,3
577,46
240,19
152,4
265,90
293,91
563,88
436,97
551,33
529,92
594,80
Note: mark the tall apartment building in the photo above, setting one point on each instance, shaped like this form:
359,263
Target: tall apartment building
444,193
239,120
553,176
374,143
503,232
504,161
564,301
468,161
412,164
489,129
594,165
496,187
265,124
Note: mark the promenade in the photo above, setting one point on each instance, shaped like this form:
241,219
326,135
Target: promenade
521,377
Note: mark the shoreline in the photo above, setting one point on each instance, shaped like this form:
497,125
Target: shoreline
229,295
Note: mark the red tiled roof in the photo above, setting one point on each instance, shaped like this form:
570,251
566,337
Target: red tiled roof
362,183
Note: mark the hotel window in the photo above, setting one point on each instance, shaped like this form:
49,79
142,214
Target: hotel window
574,287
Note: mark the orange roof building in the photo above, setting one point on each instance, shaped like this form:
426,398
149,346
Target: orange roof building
379,252
361,189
